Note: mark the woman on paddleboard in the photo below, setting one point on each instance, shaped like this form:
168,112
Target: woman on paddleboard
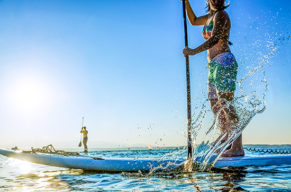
85,138
222,66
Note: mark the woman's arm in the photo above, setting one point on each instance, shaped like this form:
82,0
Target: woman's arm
217,33
192,17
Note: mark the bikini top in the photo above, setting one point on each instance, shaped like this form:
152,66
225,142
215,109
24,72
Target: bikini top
207,29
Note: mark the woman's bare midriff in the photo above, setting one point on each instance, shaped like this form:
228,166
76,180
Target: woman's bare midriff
220,47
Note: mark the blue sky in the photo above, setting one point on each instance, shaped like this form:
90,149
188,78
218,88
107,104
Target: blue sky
120,65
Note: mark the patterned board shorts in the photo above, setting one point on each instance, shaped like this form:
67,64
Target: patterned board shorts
222,74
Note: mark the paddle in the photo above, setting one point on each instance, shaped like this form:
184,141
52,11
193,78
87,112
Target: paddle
80,144
189,123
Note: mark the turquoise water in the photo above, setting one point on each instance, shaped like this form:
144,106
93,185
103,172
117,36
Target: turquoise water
16,175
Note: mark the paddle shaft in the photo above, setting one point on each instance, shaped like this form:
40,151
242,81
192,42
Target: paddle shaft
80,144
189,122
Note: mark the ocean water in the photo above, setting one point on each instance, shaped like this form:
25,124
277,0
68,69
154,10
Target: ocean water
16,175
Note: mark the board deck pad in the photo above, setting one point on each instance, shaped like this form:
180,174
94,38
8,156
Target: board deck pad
132,165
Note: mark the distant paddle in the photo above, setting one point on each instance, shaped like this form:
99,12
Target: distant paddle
188,164
80,144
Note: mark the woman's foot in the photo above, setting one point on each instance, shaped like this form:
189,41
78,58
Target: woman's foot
235,150
233,153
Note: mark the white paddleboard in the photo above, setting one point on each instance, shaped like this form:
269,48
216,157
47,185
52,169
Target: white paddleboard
131,165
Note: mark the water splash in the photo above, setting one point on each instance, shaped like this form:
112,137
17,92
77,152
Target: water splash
250,101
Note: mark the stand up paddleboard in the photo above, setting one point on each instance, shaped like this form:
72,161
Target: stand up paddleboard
132,165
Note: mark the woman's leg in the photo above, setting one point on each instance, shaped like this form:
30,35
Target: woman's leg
216,107
227,117
85,140
230,122
217,110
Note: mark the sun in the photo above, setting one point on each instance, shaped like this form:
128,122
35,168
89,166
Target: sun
28,95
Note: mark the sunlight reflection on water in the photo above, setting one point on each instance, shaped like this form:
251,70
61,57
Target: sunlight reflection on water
17,175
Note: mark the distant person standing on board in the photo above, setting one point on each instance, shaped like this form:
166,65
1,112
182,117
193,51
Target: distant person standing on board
222,67
84,131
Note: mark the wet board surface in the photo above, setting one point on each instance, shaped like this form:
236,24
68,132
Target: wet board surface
131,165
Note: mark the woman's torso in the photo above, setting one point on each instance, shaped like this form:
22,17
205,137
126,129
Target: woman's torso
222,45
85,133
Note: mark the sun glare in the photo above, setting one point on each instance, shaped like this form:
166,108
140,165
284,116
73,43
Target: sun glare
29,95
22,167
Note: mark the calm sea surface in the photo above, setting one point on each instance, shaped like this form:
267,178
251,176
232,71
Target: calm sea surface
16,175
